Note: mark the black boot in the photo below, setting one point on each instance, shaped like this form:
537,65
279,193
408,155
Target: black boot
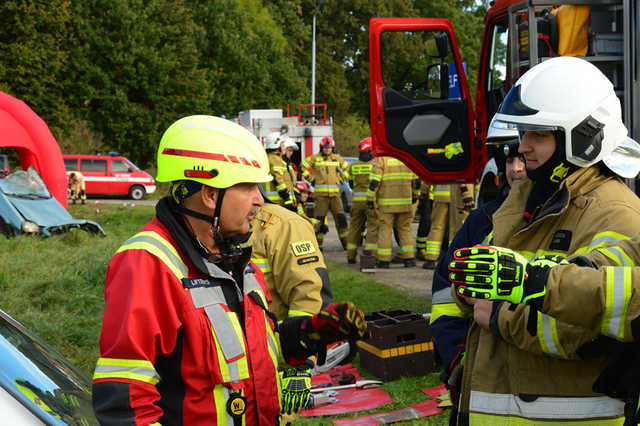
382,265
409,263
429,264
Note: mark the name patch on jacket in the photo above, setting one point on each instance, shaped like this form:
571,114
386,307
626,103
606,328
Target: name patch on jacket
310,259
561,240
199,282
303,248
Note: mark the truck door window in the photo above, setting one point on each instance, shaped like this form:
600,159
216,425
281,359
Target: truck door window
497,69
71,164
419,64
119,166
93,165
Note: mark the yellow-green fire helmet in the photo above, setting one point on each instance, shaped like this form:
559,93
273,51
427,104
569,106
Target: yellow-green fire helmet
212,151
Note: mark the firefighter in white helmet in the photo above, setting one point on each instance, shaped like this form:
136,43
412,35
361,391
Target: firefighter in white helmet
522,365
187,335
280,190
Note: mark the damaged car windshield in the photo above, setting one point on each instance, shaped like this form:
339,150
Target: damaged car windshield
27,184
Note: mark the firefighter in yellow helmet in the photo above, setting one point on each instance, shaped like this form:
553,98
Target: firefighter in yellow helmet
392,187
187,334
360,215
279,190
326,171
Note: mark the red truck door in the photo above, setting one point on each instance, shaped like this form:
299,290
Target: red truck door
421,110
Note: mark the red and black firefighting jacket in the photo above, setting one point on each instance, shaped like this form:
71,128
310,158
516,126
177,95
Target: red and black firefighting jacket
171,350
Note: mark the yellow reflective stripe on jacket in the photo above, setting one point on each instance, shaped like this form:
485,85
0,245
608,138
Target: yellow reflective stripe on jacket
548,336
361,169
393,201
607,238
326,163
327,188
281,187
441,190
617,299
618,256
396,176
360,196
540,252
394,162
134,369
445,309
159,247
503,409
278,169
294,313
221,395
262,263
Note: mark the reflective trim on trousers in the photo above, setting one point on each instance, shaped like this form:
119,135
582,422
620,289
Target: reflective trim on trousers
556,408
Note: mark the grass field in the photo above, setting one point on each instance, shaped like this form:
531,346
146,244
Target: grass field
55,288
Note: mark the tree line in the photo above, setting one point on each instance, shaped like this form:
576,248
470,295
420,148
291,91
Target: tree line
111,75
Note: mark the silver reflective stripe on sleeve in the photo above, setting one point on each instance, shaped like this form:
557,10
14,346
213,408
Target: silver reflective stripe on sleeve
172,257
617,255
617,298
548,336
442,296
148,372
546,407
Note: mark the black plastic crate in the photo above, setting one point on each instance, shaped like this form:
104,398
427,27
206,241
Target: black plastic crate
401,344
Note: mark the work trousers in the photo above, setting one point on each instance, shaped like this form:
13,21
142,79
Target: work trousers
359,216
439,219
78,192
424,226
402,222
333,203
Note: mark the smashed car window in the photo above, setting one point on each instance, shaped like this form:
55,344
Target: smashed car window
25,184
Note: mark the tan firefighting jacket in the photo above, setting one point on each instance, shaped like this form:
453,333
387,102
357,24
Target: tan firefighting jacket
328,173
285,249
360,171
441,193
396,188
530,366
283,177
607,299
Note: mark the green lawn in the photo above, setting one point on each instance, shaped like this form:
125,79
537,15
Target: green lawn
55,288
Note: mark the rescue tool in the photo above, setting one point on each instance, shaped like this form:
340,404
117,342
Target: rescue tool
360,384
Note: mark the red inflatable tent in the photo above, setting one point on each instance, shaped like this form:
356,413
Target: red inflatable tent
23,130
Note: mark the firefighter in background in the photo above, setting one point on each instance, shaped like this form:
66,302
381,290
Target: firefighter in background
360,214
187,335
303,197
286,251
77,187
280,190
326,171
392,188
289,147
425,204
438,230
462,202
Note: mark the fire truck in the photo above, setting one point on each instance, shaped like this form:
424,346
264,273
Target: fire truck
418,118
307,128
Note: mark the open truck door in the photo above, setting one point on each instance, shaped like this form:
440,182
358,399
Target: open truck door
419,112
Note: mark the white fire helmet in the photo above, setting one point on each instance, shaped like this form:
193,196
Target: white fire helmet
572,95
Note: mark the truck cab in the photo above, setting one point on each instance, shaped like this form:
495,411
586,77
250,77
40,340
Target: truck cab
421,109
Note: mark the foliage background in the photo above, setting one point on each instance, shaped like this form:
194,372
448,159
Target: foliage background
111,75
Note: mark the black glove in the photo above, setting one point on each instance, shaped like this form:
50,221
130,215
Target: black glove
284,194
370,205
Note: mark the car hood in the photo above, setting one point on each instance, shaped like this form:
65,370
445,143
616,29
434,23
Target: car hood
51,216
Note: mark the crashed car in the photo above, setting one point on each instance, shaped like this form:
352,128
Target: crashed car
38,386
27,206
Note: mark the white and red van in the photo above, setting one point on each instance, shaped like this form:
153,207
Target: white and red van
110,175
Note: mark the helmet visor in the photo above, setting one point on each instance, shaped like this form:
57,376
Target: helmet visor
523,127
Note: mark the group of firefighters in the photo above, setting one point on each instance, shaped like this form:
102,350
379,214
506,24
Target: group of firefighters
535,311
384,203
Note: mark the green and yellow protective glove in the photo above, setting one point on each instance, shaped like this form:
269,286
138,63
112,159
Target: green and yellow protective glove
296,390
496,273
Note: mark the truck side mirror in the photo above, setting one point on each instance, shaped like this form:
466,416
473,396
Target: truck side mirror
444,81
442,43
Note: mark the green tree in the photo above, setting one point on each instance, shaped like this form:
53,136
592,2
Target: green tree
135,70
34,38
248,60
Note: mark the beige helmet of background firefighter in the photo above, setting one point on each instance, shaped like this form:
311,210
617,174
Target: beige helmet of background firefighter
280,190
360,215
573,139
183,286
327,170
